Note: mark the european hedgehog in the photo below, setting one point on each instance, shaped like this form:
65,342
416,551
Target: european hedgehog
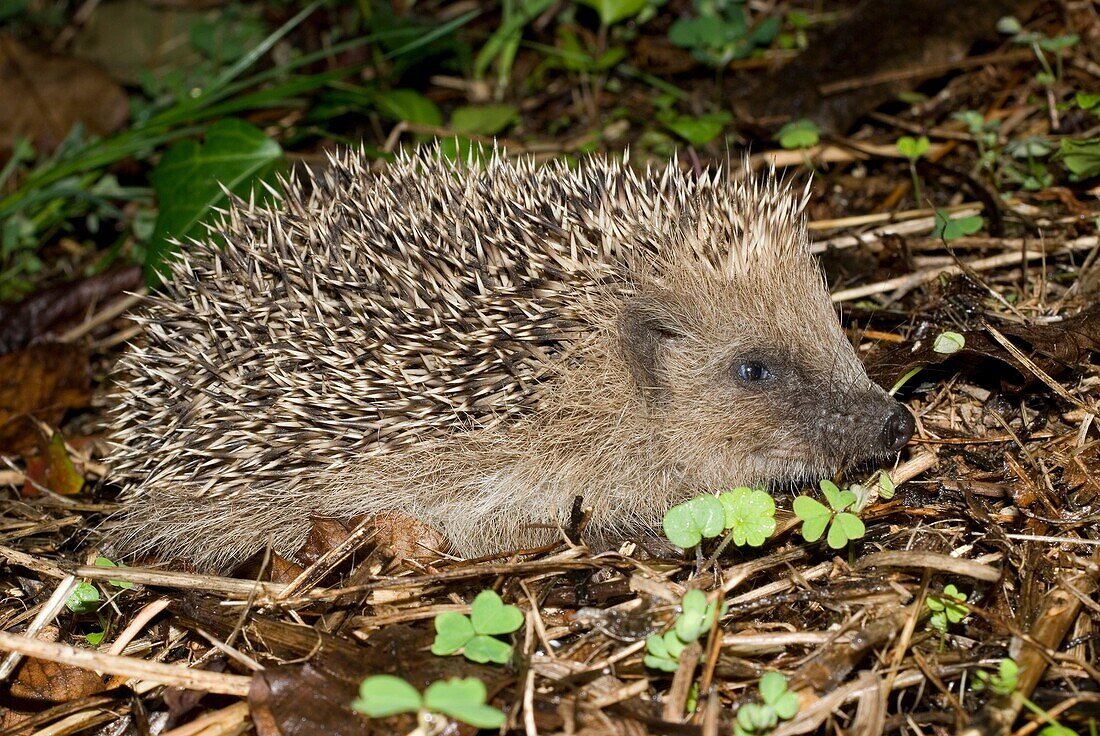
476,346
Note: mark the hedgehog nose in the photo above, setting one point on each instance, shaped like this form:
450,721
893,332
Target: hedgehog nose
898,429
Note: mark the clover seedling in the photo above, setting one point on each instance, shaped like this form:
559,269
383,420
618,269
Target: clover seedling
779,704
843,526
688,523
463,700
913,148
749,515
799,134
696,616
950,228
948,609
473,635
1003,682
663,651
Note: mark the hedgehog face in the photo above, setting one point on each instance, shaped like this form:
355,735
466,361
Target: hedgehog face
752,380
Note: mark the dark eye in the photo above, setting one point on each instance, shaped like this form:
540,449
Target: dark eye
752,370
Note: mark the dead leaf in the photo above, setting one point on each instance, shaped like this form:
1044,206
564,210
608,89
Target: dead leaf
53,469
39,680
42,382
55,93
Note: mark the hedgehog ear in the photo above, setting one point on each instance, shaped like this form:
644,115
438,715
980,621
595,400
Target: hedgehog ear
647,324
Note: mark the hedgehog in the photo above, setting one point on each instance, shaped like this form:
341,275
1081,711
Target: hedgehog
484,347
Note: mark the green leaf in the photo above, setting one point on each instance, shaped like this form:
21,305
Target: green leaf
674,644
886,488
84,598
950,229
484,120
799,134
754,718
1081,157
698,131
408,105
95,638
452,632
913,148
749,515
845,527
786,707
1057,729
189,178
482,649
490,615
838,499
772,686
613,11
687,523
104,562
815,517
948,343
1088,101
692,620
463,700
385,695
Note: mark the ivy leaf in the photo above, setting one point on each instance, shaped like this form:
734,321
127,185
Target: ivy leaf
815,517
189,180
490,615
463,700
452,632
385,695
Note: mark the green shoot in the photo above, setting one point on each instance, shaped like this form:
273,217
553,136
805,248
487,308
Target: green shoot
799,134
1004,683
947,609
463,700
843,525
696,617
473,635
913,149
779,704
949,228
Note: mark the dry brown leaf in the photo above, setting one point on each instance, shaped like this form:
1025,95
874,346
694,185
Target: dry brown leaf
42,382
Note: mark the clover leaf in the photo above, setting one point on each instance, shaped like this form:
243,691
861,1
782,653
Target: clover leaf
779,704
463,700
688,523
696,616
749,515
949,609
386,695
663,651
843,525
799,134
949,228
845,528
815,517
473,634
1003,682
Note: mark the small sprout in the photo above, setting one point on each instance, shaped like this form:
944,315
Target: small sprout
799,134
749,515
463,700
473,635
950,228
696,616
95,638
948,343
913,148
885,486
84,598
779,704
688,523
948,609
1088,101
663,651
1003,682
816,517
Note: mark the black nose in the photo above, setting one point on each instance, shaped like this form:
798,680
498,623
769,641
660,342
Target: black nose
898,429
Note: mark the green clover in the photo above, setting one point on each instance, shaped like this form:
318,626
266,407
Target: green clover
950,228
696,616
947,610
385,695
749,515
779,704
688,523
473,635
663,651
1003,682
381,696
799,134
843,525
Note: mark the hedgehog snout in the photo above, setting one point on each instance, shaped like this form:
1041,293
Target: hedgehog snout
897,429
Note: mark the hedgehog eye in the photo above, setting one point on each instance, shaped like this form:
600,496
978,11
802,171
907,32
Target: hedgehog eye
752,370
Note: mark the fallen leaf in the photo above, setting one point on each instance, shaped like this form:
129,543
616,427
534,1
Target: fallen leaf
40,382
53,469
